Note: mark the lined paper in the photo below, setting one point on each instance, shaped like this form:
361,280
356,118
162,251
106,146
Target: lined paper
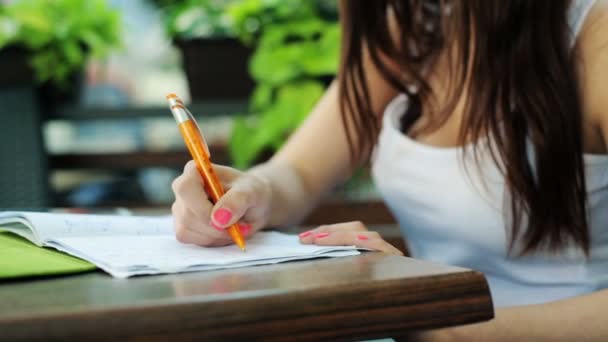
125,246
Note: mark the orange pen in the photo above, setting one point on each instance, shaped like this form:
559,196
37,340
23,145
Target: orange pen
200,153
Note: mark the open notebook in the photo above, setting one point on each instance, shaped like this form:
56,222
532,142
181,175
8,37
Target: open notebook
126,246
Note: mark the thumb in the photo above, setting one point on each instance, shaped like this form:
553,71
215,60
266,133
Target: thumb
231,207
226,174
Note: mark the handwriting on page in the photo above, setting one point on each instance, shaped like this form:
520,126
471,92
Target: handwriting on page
113,225
58,225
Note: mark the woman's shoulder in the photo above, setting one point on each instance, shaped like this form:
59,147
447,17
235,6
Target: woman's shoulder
592,41
597,19
592,48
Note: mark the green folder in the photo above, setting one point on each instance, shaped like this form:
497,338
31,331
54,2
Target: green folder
21,258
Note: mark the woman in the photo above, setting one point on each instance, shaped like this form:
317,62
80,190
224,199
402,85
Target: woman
486,123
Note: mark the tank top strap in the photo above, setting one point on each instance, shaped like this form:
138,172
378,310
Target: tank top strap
576,17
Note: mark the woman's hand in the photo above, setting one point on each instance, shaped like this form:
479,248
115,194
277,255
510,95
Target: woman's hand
198,221
348,234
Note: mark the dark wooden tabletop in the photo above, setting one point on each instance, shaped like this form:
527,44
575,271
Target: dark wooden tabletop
366,296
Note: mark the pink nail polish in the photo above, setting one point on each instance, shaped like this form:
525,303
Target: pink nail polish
222,216
218,228
321,235
245,228
305,234
362,237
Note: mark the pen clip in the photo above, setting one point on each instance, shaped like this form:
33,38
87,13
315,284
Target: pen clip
183,114
203,140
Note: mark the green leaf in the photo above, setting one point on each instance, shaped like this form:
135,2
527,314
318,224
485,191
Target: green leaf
275,123
275,66
241,151
42,63
262,96
33,20
295,46
322,58
54,32
73,53
298,99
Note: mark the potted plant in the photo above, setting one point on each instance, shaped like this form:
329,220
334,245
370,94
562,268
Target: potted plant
43,45
215,61
296,55
56,38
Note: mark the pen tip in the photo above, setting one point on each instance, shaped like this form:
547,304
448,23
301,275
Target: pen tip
171,96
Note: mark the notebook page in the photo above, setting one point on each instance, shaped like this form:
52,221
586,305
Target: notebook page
129,272
166,255
21,227
56,225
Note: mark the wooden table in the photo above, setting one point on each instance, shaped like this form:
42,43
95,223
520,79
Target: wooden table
366,296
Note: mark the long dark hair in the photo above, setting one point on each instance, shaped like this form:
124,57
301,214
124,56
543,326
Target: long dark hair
514,57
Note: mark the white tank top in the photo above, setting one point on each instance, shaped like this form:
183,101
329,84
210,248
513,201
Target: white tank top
455,216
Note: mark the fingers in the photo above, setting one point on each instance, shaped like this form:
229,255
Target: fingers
192,209
226,174
355,226
195,237
241,202
348,234
190,228
190,196
189,190
323,231
373,240
230,208
246,229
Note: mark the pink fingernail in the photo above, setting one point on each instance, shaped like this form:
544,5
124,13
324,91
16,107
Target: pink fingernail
222,216
321,235
245,228
305,234
218,228
362,237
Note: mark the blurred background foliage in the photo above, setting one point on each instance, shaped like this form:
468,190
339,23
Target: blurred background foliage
296,50
60,36
187,19
263,65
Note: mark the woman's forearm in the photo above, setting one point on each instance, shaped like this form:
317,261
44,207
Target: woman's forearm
580,318
318,155
291,199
